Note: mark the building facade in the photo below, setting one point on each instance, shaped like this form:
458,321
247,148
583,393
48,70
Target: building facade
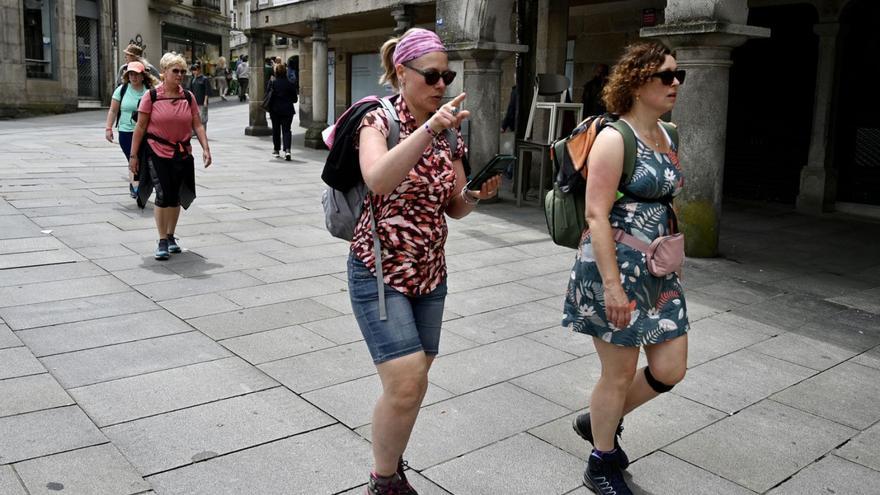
60,55
775,107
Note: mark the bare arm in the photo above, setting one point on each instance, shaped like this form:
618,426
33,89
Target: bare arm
605,168
203,138
111,119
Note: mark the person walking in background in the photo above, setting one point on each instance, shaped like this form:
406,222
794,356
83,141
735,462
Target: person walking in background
242,70
612,293
592,98
166,117
123,110
281,110
200,86
414,185
135,53
221,72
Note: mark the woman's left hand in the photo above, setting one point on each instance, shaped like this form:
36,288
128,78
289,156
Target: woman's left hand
206,157
489,188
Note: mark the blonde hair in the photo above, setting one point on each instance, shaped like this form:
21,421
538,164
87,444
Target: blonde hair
387,54
171,59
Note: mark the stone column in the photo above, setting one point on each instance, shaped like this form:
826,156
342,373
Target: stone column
403,15
818,179
702,48
257,125
319,86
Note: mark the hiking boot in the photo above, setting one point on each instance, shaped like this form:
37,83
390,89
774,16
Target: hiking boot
584,429
401,471
287,155
173,248
162,250
604,475
392,485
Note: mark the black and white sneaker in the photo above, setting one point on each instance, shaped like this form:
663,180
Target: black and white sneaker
287,155
162,250
604,475
173,248
584,429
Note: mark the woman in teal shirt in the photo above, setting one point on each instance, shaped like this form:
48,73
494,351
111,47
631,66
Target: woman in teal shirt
135,82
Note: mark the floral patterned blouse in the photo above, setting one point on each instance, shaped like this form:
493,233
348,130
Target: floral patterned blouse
411,221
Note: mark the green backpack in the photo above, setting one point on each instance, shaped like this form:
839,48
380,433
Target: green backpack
565,204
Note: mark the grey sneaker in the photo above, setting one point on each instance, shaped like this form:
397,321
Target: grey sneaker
584,429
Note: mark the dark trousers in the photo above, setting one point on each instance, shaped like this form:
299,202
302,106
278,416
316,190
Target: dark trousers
281,127
243,87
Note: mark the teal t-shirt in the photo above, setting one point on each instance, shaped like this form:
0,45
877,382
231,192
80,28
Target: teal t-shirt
128,105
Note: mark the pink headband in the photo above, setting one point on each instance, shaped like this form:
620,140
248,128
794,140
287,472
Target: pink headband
417,43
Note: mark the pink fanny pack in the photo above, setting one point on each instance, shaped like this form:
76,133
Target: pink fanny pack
664,255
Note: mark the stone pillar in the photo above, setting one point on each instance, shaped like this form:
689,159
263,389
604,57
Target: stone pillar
403,15
702,34
257,125
319,86
818,179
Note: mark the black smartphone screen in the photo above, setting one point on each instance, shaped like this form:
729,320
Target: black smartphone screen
497,165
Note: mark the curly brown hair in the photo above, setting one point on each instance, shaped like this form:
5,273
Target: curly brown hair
639,61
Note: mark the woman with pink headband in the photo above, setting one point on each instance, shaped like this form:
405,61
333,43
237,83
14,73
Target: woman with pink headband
414,186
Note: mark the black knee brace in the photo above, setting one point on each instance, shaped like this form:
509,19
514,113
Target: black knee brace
656,384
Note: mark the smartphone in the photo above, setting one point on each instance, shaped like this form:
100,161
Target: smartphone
497,165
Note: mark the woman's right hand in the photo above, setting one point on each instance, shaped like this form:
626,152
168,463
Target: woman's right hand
618,307
108,134
448,116
133,164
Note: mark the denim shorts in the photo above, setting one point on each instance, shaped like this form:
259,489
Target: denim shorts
413,323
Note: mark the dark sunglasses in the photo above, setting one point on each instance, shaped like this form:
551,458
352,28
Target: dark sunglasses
433,75
179,71
667,76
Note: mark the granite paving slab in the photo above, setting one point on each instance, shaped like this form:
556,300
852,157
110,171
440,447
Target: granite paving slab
823,284
520,464
99,332
59,290
568,384
734,381
781,441
105,251
848,394
232,261
9,482
98,470
477,278
321,368
450,428
37,274
284,291
678,477
252,320
18,361
180,438
711,338
491,298
41,433
339,330
850,329
173,289
804,351
564,339
272,345
863,448
788,311
195,306
352,402
739,290
296,270
423,485
90,366
340,302
48,257
870,358
141,396
72,310
328,460
17,226
505,323
145,275
493,363
31,393
8,338
866,300
848,477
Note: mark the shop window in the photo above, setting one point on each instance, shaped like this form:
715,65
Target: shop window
38,47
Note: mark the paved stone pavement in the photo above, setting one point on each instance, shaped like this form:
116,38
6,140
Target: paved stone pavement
237,368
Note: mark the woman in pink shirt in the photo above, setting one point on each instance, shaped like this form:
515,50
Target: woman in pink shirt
166,118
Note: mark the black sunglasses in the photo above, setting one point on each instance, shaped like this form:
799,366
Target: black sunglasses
178,71
433,75
667,76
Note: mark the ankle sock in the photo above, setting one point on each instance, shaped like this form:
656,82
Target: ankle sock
599,454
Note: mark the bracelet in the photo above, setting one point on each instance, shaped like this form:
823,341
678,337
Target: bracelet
430,131
108,129
465,195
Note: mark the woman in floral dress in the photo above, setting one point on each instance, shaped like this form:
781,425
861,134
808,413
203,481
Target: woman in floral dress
414,185
611,295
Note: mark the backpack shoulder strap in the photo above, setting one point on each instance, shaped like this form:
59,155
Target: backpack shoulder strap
188,95
121,97
153,95
629,147
672,130
393,122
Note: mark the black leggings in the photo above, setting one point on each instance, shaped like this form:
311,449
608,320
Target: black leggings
281,127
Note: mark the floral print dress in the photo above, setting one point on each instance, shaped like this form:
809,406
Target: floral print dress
660,313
